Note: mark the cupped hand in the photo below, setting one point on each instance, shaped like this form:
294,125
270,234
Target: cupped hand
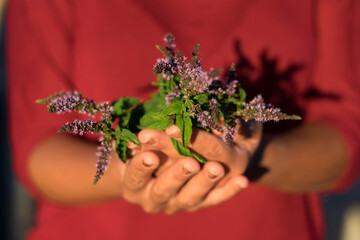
234,158
181,185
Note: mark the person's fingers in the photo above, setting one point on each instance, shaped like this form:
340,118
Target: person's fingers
139,170
221,194
172,179
160,143
196,189
206,144
157,140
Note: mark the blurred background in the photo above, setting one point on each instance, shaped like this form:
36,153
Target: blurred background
342,211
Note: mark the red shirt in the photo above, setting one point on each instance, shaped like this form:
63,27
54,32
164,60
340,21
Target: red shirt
302,53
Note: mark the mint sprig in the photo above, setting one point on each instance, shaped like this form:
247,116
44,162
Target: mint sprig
187,97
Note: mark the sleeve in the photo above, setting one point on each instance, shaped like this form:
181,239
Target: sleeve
39,39
336,78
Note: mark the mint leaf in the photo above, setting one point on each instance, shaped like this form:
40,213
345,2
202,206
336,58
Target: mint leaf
198,157
242,96
122,105
160,84
155,121
156,104
180,149
126,135
125,118
202,98
121,147
123,136
134,119
175,107
183,121
186,152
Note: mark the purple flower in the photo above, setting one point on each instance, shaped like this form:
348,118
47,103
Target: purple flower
166,66
170,96
73,101
229,131
231,88
82,126
191,72
192,111
207,120
103,155
198,84
214,110
170,42
258,110
106,110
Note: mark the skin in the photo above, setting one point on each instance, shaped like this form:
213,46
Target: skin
307,159
62,168
310,158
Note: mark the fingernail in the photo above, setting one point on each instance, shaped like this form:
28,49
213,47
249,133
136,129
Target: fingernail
147,162
171,130
187,170
149,141
212,175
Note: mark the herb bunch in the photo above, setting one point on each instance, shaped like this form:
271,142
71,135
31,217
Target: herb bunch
187,97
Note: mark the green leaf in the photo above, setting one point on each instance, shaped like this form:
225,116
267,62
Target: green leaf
121,147
161,83
42,101
156,104
183,121
188,104
122,105
134,120
180,149
293,117
125,118
198,157
242,95
202,98
126,135
177,78
154,120
186,152
175,107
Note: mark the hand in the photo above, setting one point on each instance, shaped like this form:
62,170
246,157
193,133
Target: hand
180,186
209,145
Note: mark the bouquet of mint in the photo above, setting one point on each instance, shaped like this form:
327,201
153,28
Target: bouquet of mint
187,96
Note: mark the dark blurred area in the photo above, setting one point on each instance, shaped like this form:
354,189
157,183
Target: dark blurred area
17,208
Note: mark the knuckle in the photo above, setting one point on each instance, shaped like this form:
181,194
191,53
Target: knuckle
134,182
159,195
187,203
216,151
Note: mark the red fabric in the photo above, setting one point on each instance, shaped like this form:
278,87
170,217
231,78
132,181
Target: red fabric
105,49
